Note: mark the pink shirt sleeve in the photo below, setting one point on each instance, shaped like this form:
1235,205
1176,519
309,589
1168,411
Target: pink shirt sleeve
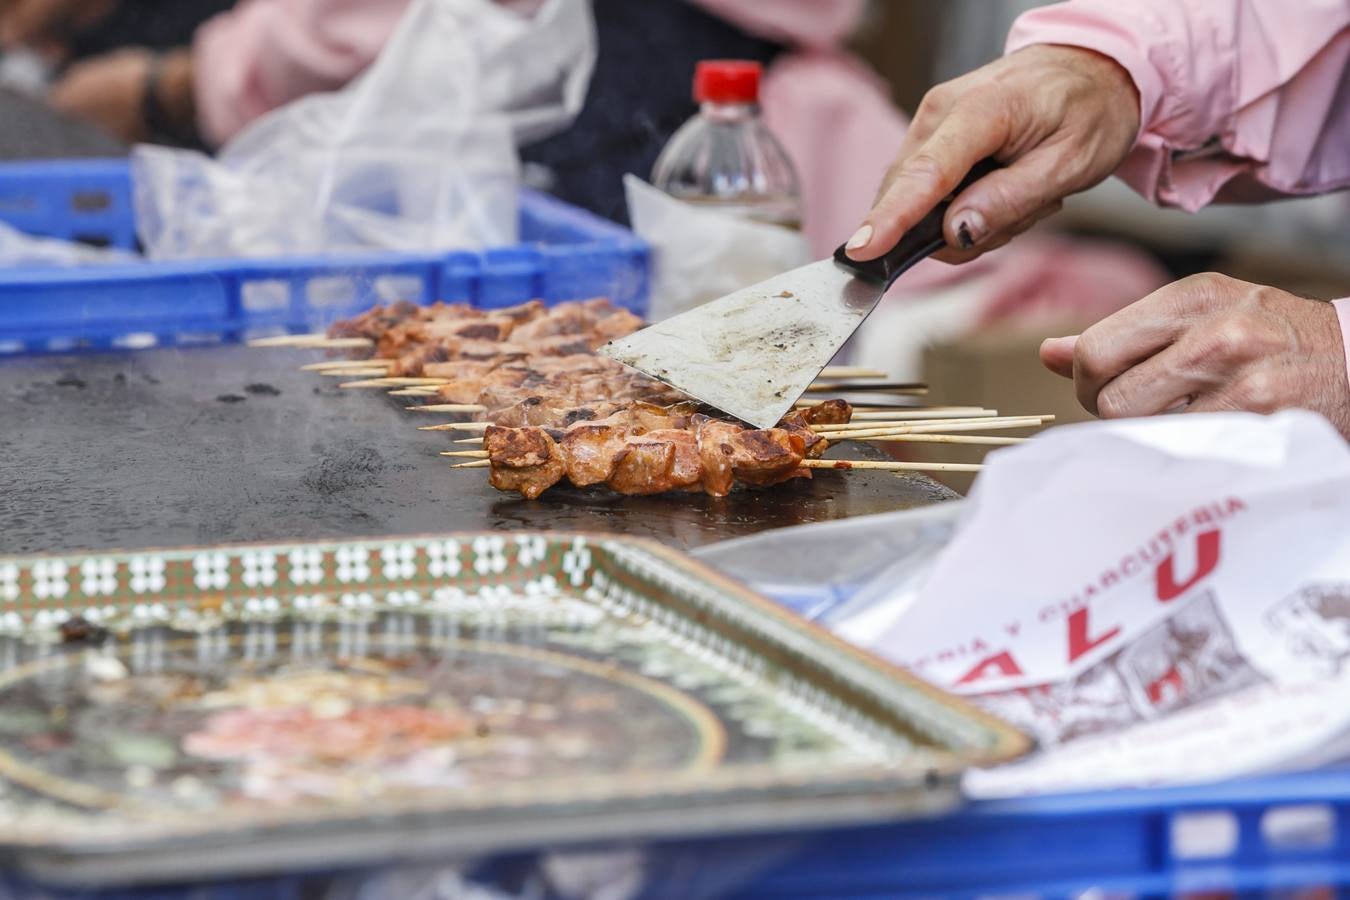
814,24
265,53
1241,100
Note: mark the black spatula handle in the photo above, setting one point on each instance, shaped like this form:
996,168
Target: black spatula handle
920,242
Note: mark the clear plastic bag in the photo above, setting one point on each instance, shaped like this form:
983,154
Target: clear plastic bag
855,575
704,253
416,154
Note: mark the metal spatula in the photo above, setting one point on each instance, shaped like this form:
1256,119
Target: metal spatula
753,353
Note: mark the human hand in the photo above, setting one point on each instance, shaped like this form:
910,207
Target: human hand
1060,118
1209,343
108,91
39,23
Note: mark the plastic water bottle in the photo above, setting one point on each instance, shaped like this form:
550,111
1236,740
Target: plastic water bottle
725,156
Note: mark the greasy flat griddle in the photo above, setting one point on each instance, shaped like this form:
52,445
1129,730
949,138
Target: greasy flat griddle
168,447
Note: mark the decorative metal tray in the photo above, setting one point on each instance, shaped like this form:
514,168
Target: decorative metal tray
192,712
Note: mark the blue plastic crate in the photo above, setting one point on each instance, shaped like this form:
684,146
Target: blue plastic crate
566,254
1124,845
1260,837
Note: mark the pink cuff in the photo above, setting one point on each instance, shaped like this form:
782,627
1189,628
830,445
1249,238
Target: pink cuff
1343,316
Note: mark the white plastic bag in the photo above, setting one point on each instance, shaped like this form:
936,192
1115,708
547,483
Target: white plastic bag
1155,600
416,154
20,249
702,254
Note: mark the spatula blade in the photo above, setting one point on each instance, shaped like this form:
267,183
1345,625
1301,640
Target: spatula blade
753,353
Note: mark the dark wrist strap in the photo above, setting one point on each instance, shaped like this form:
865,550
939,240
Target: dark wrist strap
158,124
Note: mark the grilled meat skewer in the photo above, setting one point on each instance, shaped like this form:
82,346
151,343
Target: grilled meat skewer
684,452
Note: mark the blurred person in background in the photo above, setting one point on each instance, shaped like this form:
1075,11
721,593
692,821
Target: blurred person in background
117,63
263,54
1190,102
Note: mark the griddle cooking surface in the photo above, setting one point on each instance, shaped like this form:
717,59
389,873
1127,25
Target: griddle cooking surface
226,444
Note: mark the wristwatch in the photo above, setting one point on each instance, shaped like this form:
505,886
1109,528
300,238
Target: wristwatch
159,125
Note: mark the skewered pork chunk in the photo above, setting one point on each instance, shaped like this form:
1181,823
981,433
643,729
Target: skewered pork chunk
708,456
524,460
590,452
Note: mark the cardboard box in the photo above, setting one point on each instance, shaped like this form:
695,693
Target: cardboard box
996,368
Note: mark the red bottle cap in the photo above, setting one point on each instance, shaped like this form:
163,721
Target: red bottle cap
727,81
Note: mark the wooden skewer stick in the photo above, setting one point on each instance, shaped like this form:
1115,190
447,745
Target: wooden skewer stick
413,392
851,372
896,415
368,383
889,387
450,408
327,343
890,466
353,373
947,439
827,430
327,364
898,438
935,428
470,454
456,426
831,432
897,423
287,340
842,464
398,381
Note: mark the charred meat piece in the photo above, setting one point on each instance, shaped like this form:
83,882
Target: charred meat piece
620,323
374,322
524,312
415,361
796,422
591,452
571,319
760,458
553,414
488,328
562,345
830,412
644,416
470,388
715,451
576,363
644,467
523,459
686,468
460,368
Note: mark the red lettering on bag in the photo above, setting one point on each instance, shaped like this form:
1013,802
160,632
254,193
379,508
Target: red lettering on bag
1001,664
1079,641
1206,559
1168,688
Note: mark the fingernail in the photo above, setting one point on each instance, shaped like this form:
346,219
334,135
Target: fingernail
970,228
860,238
